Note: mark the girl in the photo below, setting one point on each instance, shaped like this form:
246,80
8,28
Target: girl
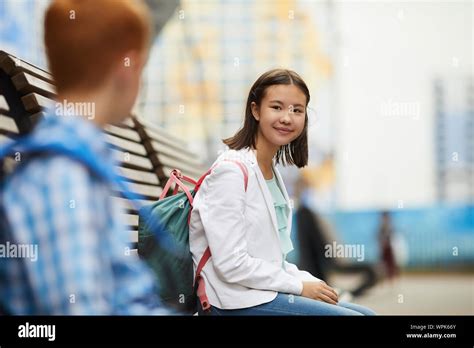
247,224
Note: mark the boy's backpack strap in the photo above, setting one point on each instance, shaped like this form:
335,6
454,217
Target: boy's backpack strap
201,288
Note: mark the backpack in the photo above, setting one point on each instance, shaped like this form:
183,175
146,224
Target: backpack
173,264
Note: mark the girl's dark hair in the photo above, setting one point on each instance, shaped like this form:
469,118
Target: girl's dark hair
295,152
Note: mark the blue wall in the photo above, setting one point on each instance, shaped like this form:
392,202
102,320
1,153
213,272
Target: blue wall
429,234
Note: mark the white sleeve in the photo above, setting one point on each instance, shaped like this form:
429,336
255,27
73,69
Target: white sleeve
224,223
301,275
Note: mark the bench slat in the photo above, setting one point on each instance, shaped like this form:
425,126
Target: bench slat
126,206
148,192
5,139
130,220
159,133
26,83
193,172
125,133
132,161
133,236
138,176
178,145
8,125
126,145
37,117
34,102
12,65
188,156
4,108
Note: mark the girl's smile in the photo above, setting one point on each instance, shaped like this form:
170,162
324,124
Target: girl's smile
283,130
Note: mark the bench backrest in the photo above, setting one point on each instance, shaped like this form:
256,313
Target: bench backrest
145,153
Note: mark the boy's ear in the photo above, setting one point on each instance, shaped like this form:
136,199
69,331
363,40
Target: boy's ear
255,112
128,68
133,59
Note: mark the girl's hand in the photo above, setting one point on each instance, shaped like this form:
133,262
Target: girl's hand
319,290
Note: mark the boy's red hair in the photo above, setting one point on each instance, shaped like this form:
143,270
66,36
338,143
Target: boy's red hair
85,38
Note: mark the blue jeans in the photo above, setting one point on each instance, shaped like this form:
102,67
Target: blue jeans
285,304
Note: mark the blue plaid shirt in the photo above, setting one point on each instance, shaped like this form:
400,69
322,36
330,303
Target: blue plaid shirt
83,263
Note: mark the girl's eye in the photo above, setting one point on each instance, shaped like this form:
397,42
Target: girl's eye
276,107
298,111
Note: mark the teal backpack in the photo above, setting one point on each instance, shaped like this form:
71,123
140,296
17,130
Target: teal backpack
173,264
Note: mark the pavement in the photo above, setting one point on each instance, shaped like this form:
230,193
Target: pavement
431,293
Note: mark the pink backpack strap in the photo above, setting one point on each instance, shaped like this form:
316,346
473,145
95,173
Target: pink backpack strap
201,288
244,170
242,167
199,282
177,178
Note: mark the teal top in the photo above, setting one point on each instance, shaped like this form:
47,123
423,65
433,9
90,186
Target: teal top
281,211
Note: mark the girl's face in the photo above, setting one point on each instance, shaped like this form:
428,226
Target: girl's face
281,114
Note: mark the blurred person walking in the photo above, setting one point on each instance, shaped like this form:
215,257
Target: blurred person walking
387,254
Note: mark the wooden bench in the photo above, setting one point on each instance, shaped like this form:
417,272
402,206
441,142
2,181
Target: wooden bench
145,153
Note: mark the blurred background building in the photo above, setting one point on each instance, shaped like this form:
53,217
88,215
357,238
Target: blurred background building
391,117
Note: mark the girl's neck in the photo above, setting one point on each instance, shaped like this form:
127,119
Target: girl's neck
265,154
